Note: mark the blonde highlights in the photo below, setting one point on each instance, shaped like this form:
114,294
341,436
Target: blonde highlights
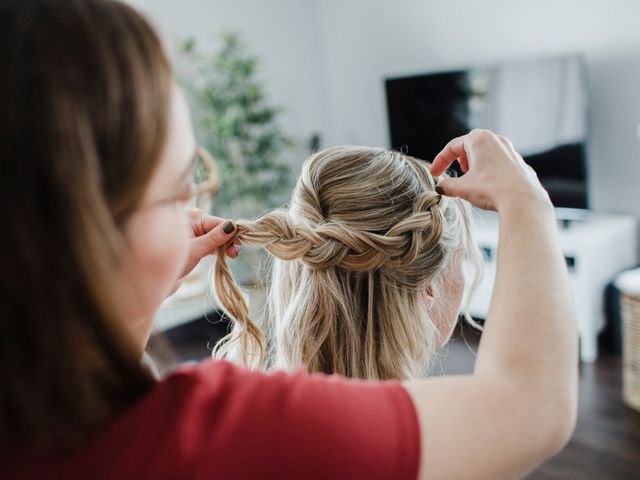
363,237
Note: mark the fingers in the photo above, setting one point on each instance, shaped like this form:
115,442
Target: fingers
209,242
211,222
202,223
209,234
463,160
220,235
452,151
233,250
451,187
463,188
459,149
510,148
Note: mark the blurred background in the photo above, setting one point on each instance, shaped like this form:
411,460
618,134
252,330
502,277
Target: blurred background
324,62
270,82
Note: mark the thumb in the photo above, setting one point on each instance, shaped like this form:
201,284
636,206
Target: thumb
466,188
449,187
209,243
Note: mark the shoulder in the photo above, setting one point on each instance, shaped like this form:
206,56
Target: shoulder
290,423
215,419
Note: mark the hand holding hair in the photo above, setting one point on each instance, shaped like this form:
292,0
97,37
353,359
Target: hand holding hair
525,377
500,178
208,233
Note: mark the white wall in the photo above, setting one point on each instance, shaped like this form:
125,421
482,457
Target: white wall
365,40
283,34
324,61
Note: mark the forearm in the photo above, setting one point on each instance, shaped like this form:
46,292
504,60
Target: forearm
518,407
530,333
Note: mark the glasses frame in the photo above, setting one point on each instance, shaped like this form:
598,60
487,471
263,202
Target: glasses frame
204,190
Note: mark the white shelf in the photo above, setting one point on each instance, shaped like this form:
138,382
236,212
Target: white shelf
182,307
190,303
596,247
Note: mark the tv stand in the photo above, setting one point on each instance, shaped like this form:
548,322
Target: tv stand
596,247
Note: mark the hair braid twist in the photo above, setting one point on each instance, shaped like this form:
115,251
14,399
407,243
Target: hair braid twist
328,245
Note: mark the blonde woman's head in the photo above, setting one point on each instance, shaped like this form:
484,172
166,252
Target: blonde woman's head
367,275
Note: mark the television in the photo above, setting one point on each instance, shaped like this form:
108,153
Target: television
539,104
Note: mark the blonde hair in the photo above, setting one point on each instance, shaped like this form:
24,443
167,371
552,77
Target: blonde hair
363,237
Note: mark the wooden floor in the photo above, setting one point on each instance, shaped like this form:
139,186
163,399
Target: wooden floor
606,443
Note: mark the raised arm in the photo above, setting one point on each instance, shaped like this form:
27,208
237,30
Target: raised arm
518,407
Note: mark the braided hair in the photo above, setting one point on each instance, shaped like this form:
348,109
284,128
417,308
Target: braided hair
364,234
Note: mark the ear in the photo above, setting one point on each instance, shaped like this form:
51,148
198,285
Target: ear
427,297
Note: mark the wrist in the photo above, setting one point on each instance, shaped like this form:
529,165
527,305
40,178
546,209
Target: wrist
524,204
524,198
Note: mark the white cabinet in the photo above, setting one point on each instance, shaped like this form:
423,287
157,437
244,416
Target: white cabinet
596,247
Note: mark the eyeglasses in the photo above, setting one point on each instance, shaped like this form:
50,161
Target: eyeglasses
205,181
203,184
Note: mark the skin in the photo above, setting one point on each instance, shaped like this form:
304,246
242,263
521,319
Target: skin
444,312
519,406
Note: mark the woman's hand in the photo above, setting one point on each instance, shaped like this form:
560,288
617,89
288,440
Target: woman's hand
208,233
526,389
495,174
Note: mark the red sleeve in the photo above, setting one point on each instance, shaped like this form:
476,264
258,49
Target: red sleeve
238,424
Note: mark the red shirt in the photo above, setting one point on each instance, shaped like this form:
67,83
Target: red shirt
216,420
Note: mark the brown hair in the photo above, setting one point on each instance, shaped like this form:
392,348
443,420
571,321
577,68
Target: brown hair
364,236
84,89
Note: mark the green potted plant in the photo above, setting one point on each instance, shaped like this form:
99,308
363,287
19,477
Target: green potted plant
235,122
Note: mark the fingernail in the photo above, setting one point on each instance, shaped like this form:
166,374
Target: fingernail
228,227
439,190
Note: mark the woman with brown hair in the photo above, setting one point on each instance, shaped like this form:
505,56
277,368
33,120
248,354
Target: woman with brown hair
96,162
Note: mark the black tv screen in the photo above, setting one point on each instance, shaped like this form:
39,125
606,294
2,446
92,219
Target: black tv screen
541,105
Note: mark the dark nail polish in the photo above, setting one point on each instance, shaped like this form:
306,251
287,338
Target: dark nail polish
228,227
439,190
